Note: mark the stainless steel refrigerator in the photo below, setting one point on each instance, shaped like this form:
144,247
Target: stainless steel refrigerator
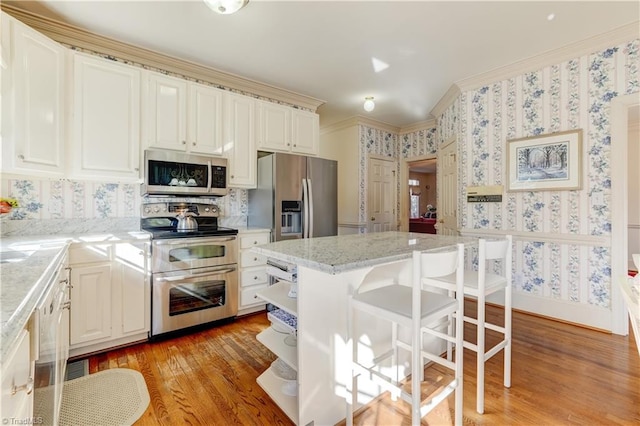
296,197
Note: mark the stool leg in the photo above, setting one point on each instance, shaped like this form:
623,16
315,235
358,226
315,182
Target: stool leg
507,335
480,354
351,383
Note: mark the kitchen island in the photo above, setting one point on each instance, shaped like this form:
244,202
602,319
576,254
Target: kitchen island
328,270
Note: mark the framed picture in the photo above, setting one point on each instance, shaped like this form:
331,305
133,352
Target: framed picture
550,162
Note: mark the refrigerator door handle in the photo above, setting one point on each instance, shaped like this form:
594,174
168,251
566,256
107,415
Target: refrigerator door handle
310,208
305,203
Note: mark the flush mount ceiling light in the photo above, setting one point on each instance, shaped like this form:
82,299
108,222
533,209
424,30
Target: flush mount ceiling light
369,105
226,7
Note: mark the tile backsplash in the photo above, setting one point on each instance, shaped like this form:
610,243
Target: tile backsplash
48,201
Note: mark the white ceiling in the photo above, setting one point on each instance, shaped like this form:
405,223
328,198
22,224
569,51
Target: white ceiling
325,49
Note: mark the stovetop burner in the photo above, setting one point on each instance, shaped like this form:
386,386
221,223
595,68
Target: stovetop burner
160,219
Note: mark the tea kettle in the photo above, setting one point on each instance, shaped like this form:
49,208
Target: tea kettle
186,222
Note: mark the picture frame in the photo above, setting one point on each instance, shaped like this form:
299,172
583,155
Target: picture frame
551,162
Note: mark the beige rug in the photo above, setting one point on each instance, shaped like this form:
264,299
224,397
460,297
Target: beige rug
118,396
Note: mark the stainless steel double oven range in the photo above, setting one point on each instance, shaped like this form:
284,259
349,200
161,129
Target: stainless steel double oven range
194,277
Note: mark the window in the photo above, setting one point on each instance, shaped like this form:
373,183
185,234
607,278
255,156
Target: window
415,206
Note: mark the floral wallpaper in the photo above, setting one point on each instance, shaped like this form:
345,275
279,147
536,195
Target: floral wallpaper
72,199
575,94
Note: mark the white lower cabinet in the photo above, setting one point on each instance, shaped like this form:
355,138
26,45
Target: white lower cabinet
110,300
283,346
17,383
252,273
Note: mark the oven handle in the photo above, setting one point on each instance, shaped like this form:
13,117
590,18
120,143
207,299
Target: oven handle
175,243
203,274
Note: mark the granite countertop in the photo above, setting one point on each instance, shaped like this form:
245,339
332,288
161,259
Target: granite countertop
29,264
347,252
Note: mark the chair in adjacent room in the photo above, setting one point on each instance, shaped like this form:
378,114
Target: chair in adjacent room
423,312
490,278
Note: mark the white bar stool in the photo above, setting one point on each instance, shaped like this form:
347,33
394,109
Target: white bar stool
480,284
422,312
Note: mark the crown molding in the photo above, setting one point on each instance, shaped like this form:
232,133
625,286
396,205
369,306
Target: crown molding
340,125
446,100
78,37
571,51
422,125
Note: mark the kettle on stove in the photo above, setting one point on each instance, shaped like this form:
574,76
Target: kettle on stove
186,222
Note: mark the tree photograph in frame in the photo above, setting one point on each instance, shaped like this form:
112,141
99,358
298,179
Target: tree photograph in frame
549,162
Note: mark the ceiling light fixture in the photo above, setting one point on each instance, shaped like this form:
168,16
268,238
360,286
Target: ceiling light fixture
551,17
369,105
226,7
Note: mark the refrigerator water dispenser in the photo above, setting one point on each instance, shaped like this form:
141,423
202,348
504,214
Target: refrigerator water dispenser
291,217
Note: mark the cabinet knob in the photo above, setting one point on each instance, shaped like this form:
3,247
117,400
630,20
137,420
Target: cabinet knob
137,169
288,144
255,296
255,259
232,176
194,144
184,142
255,242
255,277
373,218
294,145
21,157
28,387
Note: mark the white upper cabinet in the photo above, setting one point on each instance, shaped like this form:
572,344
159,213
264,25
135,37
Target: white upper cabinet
106,104
274,127
166,112
240,140
33,99
305,130
204,135
286,129
183,116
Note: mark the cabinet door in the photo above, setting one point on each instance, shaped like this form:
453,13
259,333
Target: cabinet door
17,370
274,127
107,119
167,112
33,102
240,144
90,303
306,132
133,297
205,119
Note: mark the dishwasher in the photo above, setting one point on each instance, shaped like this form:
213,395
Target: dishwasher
52,348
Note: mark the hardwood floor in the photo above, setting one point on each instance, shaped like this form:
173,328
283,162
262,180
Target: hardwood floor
562,375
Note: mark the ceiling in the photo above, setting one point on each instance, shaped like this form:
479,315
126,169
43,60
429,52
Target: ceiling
327,50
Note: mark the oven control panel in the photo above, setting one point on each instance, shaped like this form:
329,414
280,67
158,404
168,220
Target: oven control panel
173,209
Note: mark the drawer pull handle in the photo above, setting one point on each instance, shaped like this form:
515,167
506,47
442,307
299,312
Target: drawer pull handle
66,305
28,387
65,281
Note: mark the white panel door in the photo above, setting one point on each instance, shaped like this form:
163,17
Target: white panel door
306,132
447,190
37,71
90,303
382,195
275,127
167,112
107,119
240,141
133,289
205,120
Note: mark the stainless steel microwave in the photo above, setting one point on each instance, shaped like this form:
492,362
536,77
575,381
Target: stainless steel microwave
176,173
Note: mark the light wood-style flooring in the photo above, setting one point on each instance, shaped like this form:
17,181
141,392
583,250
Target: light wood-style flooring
562,375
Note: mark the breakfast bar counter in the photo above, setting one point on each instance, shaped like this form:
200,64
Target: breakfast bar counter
328,271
